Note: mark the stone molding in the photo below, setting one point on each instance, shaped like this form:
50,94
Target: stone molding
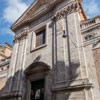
74,7
73,84
90,24
21,35
83,86
4,63
93,41
11,95
38,67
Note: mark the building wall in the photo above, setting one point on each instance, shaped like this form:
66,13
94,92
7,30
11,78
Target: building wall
8,52
3,74
1,57
91,46
96,55
71,74
5,51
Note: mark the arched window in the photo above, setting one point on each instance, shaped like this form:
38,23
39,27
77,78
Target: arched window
89,37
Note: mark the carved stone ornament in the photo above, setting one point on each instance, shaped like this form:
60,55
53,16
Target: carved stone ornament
65,11
21,35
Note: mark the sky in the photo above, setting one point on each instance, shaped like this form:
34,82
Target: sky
11,10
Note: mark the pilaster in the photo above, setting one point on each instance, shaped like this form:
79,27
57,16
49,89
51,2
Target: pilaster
13,87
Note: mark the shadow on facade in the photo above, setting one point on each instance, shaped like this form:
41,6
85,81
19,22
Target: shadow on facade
57,83
60,78
64,77
64,82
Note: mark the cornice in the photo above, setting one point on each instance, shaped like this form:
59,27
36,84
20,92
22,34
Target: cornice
2,54
21,35
90,27
4,63
26,16
73,7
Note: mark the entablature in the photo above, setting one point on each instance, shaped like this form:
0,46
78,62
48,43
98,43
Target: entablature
31,16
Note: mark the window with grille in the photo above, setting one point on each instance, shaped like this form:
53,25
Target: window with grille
40,38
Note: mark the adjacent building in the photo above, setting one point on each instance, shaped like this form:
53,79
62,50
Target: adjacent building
5,55
5,51
55,54
90,30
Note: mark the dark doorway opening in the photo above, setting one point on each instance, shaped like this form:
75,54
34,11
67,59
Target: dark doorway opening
37,90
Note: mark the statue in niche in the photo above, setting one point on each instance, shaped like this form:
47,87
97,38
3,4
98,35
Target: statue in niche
37,94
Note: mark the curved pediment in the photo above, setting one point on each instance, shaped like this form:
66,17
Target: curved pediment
37,67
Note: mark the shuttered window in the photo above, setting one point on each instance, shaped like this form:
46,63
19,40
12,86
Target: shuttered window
40,38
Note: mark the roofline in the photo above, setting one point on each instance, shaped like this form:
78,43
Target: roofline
84,21
32,5
26,20
83,10
35,1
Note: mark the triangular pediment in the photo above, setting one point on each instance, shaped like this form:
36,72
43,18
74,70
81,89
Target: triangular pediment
39,9
35,9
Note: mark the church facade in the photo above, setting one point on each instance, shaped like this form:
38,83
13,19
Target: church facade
55,54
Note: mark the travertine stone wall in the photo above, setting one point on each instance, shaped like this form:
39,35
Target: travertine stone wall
5,51
90,50
96,55
3,75
55,54
15,77
63,54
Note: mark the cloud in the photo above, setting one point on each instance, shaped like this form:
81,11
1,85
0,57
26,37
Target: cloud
91,8
6,30
13,10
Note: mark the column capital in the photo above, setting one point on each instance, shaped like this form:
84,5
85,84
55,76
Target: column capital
21,35
65,11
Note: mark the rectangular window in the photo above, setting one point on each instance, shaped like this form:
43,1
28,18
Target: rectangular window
40,38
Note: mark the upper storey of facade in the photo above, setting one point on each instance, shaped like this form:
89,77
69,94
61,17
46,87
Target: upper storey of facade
90,30
90,24
48,45
40,8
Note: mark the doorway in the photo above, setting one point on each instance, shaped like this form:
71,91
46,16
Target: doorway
37,90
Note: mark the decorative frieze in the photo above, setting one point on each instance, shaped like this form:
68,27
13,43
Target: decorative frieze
65,11
41,19
90,24
59,14
21,35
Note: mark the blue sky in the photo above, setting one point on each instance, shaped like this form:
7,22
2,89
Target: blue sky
11,10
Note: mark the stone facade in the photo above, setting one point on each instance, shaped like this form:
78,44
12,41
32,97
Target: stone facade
5,53
4,66
91,43
64,62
